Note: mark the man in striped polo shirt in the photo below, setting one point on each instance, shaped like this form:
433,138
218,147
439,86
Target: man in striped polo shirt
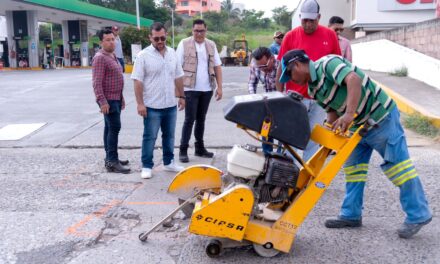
349,96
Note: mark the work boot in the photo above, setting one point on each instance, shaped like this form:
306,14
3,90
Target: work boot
115,166
342,223
408,230
201,151
123,162
183,155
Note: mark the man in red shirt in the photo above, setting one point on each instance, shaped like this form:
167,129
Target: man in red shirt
317,41
108,83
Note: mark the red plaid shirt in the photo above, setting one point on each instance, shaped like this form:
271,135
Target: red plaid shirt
108,80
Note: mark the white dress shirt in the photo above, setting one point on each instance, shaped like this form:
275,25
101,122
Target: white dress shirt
202,77
157,73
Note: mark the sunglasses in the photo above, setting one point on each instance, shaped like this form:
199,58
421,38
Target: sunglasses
156,39
265,65
279,37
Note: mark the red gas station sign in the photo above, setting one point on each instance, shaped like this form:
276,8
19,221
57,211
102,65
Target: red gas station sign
406,2
406,5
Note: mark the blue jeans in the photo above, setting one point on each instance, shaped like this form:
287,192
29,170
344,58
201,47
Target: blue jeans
165,119
389,140
316,115
112,126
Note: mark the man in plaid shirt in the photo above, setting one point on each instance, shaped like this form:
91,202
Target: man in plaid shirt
264,70
108,83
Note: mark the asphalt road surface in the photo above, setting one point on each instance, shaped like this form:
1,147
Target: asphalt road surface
59,205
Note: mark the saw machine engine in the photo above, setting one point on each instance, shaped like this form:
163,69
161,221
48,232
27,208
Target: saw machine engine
269,177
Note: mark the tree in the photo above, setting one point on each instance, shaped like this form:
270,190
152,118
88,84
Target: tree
169,4
251,19
228,7
148,8
282,16
216,21
131,35
44,31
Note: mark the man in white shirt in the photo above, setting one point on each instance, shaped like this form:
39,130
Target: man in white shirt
157,76
118,49
203,76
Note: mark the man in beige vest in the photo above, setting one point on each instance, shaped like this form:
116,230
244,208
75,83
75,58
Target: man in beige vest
203,77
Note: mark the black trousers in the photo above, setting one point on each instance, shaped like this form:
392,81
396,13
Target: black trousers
196,107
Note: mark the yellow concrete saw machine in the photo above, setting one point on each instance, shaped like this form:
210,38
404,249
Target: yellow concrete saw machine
261,200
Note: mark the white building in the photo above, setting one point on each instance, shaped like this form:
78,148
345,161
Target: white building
364,16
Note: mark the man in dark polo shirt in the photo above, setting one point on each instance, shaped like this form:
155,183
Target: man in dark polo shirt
108,83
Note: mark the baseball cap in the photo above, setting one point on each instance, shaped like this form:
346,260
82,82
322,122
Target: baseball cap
278,34
289,57
309,10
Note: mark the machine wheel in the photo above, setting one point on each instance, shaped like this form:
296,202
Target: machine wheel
266,250
142,238
214,248
246,61
188,209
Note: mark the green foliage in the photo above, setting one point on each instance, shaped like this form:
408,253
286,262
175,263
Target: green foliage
251,19
147,8
421,125
230,11
216,21
282,17
400,72
131,35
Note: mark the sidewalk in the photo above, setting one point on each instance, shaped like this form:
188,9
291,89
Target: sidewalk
411,96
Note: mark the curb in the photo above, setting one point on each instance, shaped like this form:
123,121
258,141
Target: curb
409,107
22,69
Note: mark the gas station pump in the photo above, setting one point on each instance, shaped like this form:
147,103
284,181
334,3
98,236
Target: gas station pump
21,38
48,56
74,42
22,47
75,53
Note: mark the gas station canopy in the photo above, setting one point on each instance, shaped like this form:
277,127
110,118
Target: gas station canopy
56,11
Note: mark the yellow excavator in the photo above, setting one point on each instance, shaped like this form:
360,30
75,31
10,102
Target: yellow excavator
240,54
261,200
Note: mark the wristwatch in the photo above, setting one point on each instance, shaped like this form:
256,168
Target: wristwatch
181,97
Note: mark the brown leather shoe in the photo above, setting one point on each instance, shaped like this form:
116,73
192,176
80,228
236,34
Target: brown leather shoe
115,166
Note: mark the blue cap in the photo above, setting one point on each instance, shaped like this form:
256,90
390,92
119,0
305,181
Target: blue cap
289,57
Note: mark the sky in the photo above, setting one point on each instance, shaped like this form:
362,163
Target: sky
268,5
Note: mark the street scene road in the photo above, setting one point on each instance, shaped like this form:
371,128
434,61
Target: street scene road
59,205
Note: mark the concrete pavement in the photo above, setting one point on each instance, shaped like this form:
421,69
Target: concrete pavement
411,96
58,205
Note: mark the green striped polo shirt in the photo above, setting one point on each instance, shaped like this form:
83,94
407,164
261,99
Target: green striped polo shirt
328,88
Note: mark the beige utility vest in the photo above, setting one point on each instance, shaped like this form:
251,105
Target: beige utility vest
190,62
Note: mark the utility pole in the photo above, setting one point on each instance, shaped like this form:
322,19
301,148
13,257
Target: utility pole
201,9
138,20
51,45
172,23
